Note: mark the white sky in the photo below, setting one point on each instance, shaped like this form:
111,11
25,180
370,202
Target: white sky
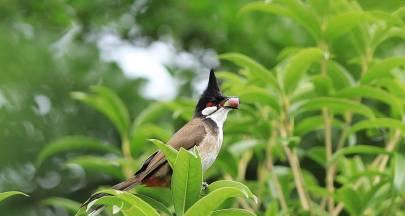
149,62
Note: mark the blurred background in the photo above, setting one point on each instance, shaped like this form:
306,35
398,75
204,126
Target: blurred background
147,52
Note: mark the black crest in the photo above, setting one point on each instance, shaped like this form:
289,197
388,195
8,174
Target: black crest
211,93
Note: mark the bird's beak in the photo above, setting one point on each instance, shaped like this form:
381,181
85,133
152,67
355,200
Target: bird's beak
232,102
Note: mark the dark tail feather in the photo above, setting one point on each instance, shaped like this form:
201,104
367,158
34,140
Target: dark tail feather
123,186
128,184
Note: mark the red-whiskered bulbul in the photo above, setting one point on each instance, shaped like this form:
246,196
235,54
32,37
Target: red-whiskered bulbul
203,131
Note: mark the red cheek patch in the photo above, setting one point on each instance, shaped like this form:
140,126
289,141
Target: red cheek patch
210,104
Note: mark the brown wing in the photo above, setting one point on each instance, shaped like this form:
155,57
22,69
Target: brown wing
188,136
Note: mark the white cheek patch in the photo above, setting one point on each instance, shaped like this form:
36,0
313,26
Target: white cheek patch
209,110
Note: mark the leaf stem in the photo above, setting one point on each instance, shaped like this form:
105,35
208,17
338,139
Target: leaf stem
327,119
126,151
285,132
329,151
270,168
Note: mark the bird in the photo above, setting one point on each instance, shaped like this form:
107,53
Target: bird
204,132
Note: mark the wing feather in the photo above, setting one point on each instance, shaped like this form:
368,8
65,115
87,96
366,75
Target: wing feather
190,135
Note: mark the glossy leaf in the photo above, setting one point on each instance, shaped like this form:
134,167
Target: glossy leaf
186,180
261,96
343,23
399,174
170,153
138,206
323,85
313,123
379,123
155,204
257,70
234,184
70,205
374,93
297,65
5,195
340,77
382,69
163,195
352,199
107,102
337,105
383,34
74,143
208,204
357,149
232,212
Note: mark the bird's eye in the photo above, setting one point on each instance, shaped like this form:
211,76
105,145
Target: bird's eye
210,104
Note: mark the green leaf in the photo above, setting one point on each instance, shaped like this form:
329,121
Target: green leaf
155,203
149,115
297,65
99,164
209,203
382,69
169,152
321,7
109,201
340,77
343,23
70,205
232,212
399,174
138,206
336,105
163,195
322,84
352,200
141,134
257,71
374,93
272,209
186,181
382,34
5,195
317,154
262,96
293,9
313,123
107,102
357,149
379,123
233,184
74,143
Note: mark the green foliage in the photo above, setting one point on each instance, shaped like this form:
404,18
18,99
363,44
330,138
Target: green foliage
108,103
320,130
5,195
186,188
67,204
74,143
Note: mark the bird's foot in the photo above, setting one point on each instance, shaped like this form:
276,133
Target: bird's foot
205,187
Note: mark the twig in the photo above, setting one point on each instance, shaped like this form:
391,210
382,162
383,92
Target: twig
270,168
285,131
330,171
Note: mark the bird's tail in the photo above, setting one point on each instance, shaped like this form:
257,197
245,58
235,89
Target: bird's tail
123,186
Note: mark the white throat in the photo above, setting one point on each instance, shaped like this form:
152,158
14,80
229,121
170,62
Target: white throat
219,117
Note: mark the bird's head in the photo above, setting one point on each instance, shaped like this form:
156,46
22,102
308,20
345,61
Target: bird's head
213,102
